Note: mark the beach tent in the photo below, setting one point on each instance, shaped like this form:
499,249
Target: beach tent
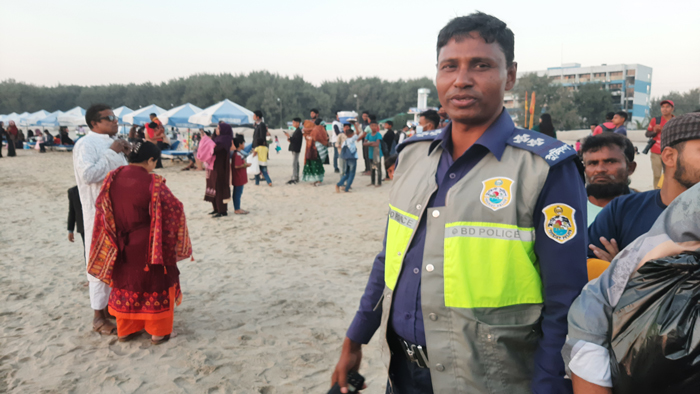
72,117
180,116
226,111
51,120
141,115
121,111
15,117
33,118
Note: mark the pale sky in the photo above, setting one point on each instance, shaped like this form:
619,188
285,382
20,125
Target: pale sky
90,42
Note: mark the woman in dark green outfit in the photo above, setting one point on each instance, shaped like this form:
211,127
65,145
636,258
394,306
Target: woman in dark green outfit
316,151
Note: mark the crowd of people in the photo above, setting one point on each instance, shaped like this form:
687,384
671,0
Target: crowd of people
509,257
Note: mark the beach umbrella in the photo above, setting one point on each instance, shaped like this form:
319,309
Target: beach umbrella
226,111
33,118
51,120
121,111
72,117
142,115
180,116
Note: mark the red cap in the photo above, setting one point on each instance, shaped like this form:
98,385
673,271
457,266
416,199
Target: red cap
670,102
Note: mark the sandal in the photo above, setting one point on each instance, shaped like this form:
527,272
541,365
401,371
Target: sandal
160,341
103,328
130,337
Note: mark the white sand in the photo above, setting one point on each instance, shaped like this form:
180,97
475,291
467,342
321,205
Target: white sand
266,304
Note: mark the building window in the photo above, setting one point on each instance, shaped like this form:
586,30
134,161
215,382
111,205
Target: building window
584,77
616,75
630,73
569,77
648,89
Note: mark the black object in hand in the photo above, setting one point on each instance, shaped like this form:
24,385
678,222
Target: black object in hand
650,143
355,383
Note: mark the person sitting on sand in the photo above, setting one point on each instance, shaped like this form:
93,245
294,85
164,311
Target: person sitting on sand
140,234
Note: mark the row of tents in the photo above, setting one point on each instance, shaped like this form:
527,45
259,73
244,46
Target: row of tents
186,115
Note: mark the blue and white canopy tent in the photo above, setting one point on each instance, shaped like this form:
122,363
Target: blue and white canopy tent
180,116
72,117
226,111
51,120
15,117
142,115
119,113
33,118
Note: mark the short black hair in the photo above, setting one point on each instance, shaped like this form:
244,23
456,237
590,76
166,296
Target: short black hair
390,160
390,123
595,142
142,151
238,140
314,110
153,114
372,118
262,142
318,121
623,114
347,124
365,112
609,115
431,116
490,28
296,120
93,113
258,113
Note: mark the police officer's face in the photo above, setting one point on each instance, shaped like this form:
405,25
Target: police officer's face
471,79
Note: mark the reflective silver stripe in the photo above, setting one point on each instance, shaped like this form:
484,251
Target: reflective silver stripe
402,219
509,234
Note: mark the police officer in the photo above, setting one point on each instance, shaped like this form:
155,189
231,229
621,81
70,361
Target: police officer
485,245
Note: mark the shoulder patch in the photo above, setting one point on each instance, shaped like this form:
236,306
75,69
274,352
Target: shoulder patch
559,223
550,149
422,137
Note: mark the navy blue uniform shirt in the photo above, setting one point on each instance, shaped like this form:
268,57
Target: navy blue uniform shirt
625,218
562,266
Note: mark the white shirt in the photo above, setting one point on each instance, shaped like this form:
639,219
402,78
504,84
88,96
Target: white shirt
92,161
334,136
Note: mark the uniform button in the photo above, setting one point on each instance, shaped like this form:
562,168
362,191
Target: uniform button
408,316
419,206
436,213
399,253
429,268
440,367
453,176
388,296
433,316
416,270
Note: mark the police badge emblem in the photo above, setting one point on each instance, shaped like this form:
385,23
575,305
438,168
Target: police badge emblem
559,223
496,193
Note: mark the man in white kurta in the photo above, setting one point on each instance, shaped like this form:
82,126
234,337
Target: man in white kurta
94,156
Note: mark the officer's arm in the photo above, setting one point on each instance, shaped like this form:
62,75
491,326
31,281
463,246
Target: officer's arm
368,318
604,225
563,268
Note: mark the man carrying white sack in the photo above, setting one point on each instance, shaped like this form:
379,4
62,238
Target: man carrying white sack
94,156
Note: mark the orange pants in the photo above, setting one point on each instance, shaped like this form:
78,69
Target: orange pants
158,325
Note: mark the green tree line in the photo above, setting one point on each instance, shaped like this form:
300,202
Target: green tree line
256,90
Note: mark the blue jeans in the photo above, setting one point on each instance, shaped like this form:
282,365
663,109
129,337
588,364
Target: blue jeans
263,171
335,158
246,150
237,193
350,166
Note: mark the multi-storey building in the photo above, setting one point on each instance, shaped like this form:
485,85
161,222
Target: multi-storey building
630,84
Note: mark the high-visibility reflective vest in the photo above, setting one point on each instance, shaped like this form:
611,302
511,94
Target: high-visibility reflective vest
481,294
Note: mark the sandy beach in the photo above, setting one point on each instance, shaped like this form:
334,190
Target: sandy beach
267,299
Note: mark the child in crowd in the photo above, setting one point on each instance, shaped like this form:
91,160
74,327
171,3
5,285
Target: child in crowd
277,145
261,151
238,174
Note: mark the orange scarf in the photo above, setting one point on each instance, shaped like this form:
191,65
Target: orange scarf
169,240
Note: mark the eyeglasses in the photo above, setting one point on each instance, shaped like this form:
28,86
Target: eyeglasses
111,118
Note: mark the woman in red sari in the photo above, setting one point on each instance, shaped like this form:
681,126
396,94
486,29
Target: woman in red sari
139,236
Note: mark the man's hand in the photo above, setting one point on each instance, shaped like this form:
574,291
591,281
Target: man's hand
121,146
584,387
71,237
611,249
350,358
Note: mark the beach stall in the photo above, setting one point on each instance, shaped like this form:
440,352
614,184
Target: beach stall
226,111
15,117
180,116
119,113
72,117
142,115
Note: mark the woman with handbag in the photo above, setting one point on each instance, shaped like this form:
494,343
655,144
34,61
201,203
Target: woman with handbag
316,151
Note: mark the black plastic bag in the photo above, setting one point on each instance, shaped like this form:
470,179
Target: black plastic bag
656,329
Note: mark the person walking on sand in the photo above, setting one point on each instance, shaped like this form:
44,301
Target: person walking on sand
295,141
261,152
316,151
218,191
94,156
140,234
